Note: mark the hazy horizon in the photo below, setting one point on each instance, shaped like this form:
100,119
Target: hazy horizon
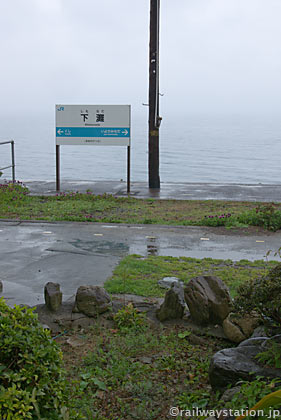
216,57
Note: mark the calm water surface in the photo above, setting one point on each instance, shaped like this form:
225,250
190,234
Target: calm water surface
193,149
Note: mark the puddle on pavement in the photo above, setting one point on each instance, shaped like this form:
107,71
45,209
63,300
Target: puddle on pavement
152,247
199,248
118,249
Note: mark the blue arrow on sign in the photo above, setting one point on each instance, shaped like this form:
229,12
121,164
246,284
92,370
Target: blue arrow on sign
93,132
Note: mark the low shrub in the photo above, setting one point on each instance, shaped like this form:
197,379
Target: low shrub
271,356
249,395
130,318
263,295
267,216
32,384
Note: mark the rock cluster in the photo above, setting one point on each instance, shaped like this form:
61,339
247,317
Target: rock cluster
89,300
206,297
208,301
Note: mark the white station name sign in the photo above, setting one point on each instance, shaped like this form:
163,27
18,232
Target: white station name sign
102,125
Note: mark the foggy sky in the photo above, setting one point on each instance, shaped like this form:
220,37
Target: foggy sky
221,56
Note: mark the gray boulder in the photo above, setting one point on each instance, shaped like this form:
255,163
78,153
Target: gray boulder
92,300
238,328
174,305
260,331
234,364
232,331
208,300
53,296
167,282
229,394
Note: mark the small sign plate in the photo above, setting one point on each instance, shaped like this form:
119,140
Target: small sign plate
102,125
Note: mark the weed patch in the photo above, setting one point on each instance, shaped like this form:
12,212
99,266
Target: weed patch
141,374
15,202
139,275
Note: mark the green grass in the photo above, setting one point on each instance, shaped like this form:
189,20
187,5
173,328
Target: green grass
140,374
139,275
16,203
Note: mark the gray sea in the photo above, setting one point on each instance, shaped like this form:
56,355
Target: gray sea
224,149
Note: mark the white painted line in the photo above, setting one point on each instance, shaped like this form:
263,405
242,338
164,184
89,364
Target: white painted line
259,241
110,227
204,239
47,232
98,234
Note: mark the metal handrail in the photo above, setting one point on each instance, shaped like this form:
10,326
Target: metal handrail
13,165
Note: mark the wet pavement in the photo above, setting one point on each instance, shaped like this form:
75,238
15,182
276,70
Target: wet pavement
72,254
178,191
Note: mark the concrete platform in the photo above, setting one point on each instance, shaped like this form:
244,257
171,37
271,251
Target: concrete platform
177,191
75,254
72,254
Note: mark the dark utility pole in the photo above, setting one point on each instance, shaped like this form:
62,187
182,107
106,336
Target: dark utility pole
154,118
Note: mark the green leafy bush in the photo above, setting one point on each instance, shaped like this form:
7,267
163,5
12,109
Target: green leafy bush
250,393
267,216
130,318
32,384
264,296
265,406
271,356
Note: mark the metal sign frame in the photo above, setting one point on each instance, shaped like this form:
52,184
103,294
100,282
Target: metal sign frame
98,125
